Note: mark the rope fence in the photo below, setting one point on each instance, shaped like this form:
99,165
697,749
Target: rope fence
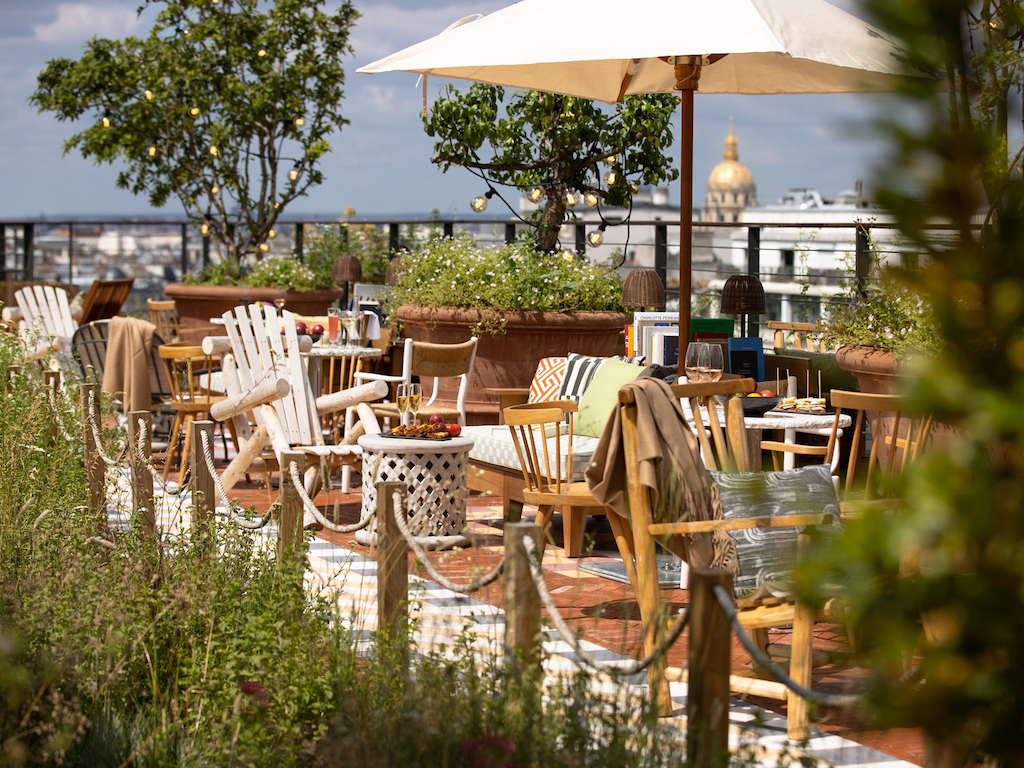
844,701
241,521
617,670
401,517
309,506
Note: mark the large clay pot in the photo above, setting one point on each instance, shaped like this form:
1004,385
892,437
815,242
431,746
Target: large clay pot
510,359
200,303
875,368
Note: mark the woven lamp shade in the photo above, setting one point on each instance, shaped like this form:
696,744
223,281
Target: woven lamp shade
743,295
394,268
347,269
643,288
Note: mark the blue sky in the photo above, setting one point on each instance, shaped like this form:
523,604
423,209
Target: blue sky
380,163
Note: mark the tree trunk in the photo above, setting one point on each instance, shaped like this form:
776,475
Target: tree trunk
551,220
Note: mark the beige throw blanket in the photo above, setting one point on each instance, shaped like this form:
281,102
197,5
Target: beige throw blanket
129,345
670,467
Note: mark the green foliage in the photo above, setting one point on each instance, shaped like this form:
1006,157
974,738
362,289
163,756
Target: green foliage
195,112
455,272
364,241
887,314
961,609
556,142
285,272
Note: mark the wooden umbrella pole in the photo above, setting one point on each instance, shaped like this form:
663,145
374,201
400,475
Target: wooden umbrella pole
687,72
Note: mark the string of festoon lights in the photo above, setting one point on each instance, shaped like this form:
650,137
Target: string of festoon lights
591,199
152,150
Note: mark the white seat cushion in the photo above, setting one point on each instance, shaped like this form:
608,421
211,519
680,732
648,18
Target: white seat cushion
493,445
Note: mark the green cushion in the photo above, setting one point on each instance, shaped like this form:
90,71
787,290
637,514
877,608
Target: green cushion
832,376
601,397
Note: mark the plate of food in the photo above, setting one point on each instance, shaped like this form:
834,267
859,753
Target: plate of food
802,404
759,403
425,431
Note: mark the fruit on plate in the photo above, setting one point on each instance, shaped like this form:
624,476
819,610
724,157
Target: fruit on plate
754,394
454,430
766,393
300,328
437,420
316,329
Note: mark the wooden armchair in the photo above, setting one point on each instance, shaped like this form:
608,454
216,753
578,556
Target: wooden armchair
105,298
802,334
636,534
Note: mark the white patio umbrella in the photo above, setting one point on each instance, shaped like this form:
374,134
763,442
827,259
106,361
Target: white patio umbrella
608,49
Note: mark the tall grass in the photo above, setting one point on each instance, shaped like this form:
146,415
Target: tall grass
162,656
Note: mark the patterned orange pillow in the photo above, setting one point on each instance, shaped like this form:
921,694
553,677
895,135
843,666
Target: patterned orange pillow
547,381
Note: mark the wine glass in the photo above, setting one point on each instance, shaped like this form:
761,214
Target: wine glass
715,366
693,363
279,303
415,400
403,400
349,321
333,325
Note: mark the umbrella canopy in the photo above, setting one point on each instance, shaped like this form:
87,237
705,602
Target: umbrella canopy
606,50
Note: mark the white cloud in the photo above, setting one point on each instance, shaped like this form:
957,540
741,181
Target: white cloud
77,22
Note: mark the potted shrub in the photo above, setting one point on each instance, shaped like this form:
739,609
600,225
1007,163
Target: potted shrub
523,305
877,330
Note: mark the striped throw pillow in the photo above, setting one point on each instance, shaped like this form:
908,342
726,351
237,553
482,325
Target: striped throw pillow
547,381
579,372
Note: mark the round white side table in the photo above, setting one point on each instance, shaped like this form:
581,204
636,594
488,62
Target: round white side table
435,474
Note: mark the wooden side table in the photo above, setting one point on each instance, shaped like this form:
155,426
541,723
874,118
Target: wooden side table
435,473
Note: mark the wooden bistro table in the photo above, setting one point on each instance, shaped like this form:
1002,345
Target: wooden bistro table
435,474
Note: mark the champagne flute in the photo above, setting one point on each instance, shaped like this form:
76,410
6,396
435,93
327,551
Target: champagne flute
692,364
415,400
403,400
715,366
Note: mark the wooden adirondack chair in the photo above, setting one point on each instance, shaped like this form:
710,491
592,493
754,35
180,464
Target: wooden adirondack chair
45,318
265,374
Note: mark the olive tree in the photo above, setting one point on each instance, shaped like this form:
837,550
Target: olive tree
225,105
555,144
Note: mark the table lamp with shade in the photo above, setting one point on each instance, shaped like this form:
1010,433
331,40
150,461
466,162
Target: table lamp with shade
743,295
347,269
643,289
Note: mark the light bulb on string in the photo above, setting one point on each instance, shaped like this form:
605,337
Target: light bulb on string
293,174
149,94
568,255
534,193
479,203
106,121
194,111
634,188
213,151
611,177
299,121
571,197
264,247
596,238
204,229
214,189
261,52
152,150
270,234
591,200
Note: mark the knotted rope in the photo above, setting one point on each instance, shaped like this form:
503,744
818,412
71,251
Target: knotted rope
618,670
309,506
421,555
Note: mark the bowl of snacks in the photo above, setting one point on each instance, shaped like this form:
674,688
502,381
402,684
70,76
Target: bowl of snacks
759,403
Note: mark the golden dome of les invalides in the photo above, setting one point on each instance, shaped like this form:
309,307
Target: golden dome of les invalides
730,186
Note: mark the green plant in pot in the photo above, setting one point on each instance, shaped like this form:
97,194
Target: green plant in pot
523,305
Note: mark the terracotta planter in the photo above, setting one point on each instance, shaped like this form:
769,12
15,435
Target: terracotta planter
199,303
875,368
510,359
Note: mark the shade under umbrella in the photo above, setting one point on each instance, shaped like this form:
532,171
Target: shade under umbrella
607,51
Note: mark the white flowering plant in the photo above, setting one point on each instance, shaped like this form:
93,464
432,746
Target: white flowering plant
456,272
887,314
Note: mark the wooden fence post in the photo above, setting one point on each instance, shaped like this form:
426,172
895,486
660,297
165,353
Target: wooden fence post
522,603
289,532
204,497
707,698
94,469
142,480
392,566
